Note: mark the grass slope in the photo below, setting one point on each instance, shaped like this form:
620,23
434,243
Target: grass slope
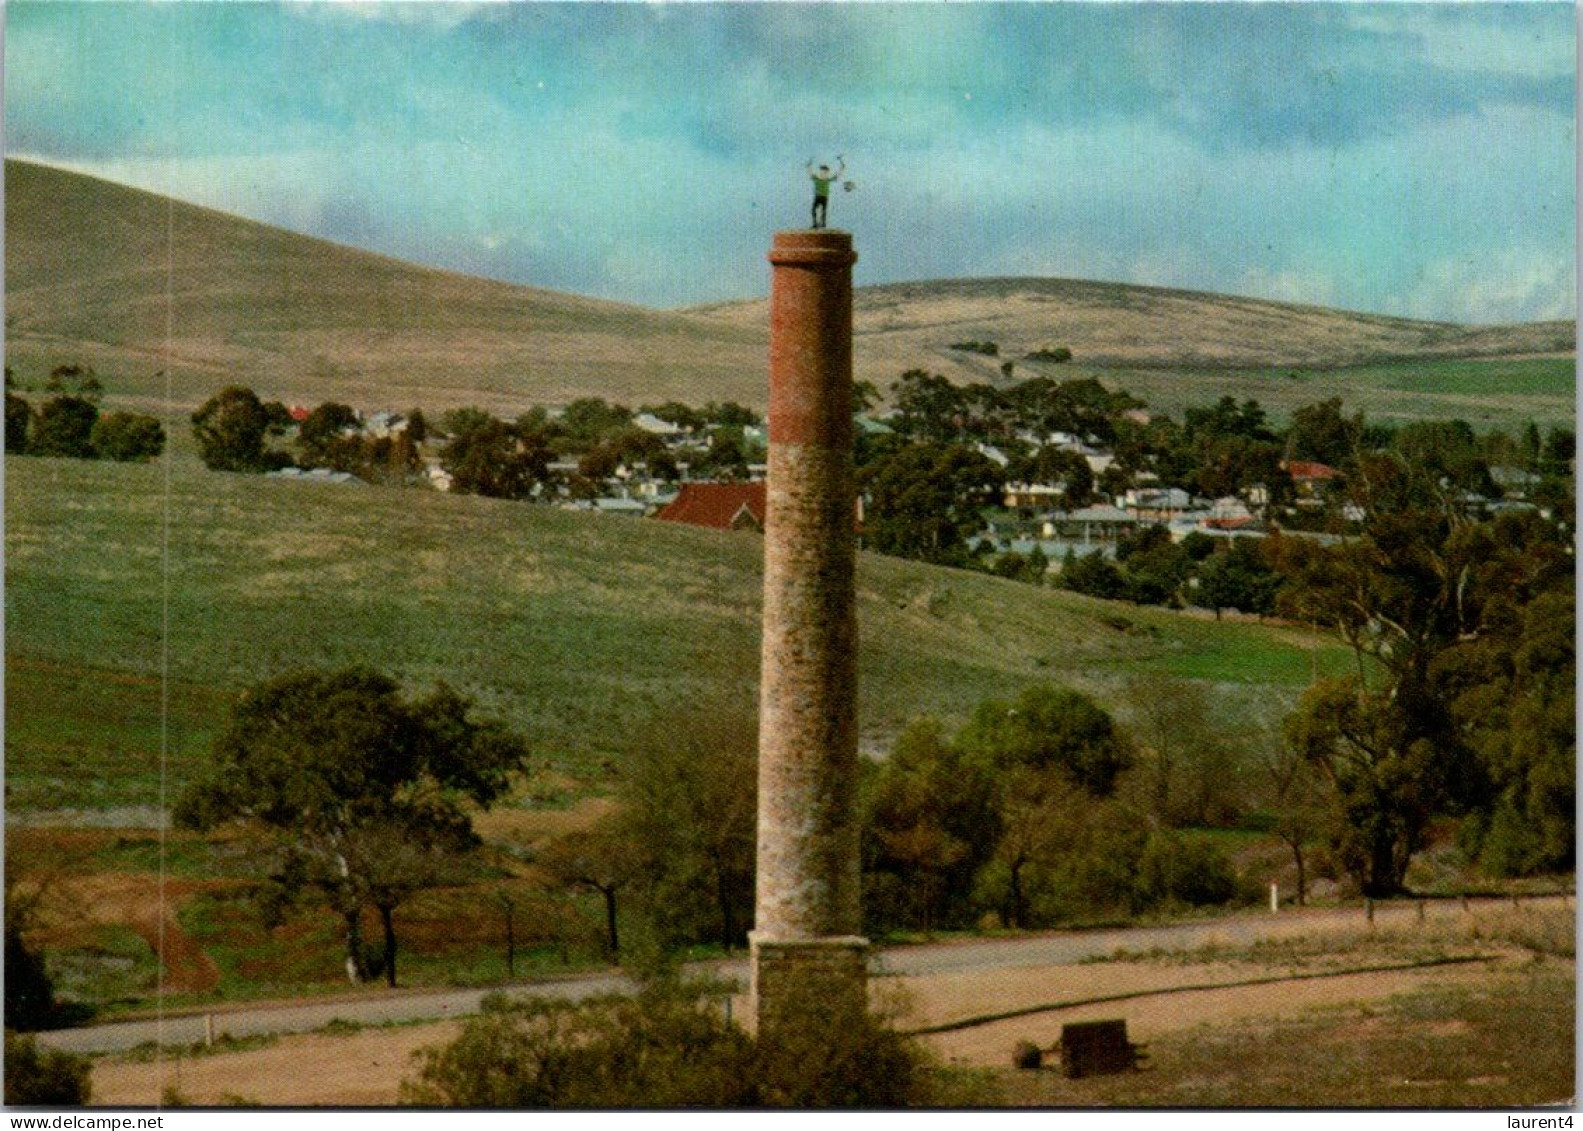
94,269
578,628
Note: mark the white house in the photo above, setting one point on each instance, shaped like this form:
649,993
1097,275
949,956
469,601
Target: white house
993,454
652,424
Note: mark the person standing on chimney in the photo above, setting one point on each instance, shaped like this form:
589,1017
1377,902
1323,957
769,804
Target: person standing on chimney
822,179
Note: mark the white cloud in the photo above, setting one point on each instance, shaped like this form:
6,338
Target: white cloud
1471,39
1514,285
1289,284
443,14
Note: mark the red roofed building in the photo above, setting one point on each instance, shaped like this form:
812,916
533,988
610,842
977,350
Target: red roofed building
1308,471
722,506
1311,479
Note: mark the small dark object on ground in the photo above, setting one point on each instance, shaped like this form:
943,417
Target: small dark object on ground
1097,1048
1026,1054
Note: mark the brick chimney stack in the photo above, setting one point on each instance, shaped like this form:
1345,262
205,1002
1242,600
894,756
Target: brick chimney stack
808,921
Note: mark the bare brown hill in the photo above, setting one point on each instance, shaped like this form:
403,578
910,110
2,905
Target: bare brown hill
96,271
135,283
1125,326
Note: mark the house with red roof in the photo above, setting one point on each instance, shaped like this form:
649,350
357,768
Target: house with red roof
721,506
1311,479
1309,472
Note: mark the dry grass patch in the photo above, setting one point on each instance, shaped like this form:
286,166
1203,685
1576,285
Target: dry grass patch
1503,1039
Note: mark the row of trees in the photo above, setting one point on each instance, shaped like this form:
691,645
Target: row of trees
483,454
1150,569
1000,819
73,427
357,798
236,431
1019,816
930,407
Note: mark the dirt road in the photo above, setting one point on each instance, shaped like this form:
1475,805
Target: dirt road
377,1006
366,1068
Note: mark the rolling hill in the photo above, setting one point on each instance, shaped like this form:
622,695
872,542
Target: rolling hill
95,272
1176,348
1115,325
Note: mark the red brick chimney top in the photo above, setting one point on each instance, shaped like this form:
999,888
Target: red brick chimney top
822,247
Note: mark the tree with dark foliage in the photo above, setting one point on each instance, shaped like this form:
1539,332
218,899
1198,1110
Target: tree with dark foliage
359,795
487,456
64,427
231,428
689,818
1049,727
37,1077
1434,608
929,825
128,437
924,501
18,423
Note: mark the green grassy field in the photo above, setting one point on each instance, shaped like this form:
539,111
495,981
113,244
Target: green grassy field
1501,393
576,628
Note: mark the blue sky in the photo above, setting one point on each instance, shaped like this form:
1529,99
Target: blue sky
1413,159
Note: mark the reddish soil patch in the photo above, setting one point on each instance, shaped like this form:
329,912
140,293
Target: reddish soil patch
135,900
54,849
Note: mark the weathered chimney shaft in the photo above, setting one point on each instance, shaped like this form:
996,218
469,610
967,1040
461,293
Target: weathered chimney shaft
808,918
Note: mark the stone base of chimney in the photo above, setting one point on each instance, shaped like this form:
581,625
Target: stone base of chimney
808,982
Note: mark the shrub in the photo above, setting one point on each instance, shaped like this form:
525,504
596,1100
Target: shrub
1178,869
48,1078
1026,1055
988,349
64,427
29,994
824,1048
1056,354
669,1045
18,422
127,436
1092,575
